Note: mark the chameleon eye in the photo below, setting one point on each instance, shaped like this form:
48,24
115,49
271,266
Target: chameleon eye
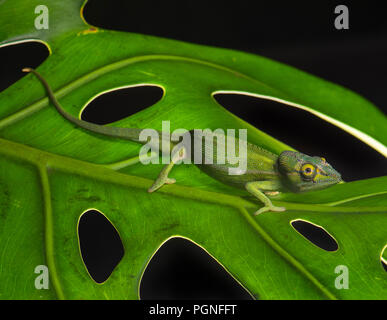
308,170
323,160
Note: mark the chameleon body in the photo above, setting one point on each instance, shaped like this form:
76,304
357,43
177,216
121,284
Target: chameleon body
266,173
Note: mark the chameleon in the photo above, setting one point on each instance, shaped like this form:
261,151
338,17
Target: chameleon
266,173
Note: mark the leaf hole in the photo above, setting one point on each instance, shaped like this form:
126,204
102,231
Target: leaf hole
100,245
180,269
315,234
117,104
14,57
383,257
307,133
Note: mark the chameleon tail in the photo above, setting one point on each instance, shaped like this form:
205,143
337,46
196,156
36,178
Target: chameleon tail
123,133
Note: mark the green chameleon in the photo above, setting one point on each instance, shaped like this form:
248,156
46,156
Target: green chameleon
266,174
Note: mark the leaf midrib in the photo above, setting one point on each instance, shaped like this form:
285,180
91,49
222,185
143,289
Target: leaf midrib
103,173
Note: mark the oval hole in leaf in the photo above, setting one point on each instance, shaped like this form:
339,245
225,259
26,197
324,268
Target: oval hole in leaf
15,57
181,269
100,245
118,104
315,234
308,134
383,257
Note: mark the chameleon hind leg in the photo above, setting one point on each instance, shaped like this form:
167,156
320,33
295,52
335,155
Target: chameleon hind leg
163,176
255,188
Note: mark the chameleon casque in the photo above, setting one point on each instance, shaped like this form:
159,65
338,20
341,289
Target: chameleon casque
266,173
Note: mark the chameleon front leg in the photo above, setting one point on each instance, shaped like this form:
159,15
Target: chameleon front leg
163,176
255,188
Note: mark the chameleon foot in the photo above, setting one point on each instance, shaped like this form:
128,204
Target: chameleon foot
159,183
269,208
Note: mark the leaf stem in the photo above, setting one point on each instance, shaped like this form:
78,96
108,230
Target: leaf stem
100,172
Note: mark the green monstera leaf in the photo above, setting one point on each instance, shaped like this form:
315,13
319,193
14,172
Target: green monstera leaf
51,172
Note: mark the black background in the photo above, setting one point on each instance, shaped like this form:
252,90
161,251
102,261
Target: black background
300,34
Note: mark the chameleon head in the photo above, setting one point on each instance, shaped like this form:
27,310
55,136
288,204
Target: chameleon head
305,173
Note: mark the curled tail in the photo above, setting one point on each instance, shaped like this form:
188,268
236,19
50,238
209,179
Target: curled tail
116,132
